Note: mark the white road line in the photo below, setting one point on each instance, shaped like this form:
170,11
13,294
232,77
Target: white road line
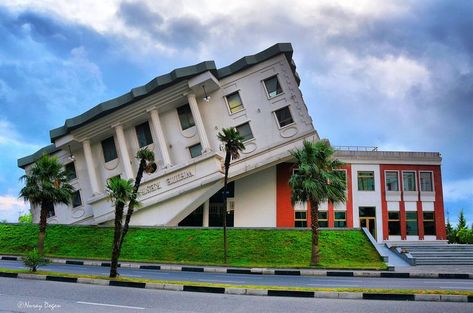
132,275
112,305
336,286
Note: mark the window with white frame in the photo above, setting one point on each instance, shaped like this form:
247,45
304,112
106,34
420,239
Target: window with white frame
109,149
70,170
245,131
392,181
284,116
272,86
76,199
366,181
195,150
426,181
143,133
409,181
234,102
185,116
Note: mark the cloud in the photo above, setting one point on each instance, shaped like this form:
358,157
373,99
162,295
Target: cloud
11,207
458,190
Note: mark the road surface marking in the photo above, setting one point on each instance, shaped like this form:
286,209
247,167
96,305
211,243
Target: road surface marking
112,305
132,275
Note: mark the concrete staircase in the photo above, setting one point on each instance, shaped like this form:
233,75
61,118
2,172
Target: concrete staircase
433,253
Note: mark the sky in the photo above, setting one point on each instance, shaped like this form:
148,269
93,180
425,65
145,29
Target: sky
397,75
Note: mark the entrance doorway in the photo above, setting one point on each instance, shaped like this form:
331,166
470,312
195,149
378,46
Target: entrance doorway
368,219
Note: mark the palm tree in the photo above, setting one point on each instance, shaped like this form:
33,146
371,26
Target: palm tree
315,180
46,185
147,165
233,142
120,192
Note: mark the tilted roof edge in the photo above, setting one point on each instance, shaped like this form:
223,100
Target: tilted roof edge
160,83
23,162
135,94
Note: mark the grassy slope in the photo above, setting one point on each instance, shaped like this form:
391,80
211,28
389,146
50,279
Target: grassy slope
261,248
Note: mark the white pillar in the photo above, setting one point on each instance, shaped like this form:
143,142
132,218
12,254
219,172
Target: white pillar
205,215
122,147
89,161
204,140
156,122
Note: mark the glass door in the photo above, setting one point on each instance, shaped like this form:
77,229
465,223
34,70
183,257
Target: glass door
368,219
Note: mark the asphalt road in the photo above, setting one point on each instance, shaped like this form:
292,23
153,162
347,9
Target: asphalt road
266,280
18,295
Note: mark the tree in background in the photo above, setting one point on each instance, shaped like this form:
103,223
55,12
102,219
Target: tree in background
461,221
461,234
46,185
26,218
316,179
233,144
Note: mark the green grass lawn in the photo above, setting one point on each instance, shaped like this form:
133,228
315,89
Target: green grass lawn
247,247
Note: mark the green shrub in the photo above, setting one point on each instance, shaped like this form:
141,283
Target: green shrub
464,236
33,260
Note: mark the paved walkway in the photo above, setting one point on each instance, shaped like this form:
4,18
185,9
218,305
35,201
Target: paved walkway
467,269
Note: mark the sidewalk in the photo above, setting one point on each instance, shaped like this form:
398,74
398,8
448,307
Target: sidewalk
444,271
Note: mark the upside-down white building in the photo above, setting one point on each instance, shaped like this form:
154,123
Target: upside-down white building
396,195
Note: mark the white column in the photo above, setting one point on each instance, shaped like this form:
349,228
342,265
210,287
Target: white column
204,140
89,161
156,122
122,147
205,215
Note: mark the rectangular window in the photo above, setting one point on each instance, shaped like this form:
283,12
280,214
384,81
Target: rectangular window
234,102
323,219
411,223
394,224
426,181
340,219
366,181
245,131
300,219
195,150
392,181
109,150
429,223
143,134
50,208
284,116
409,181
273,87
185,116
76,199
70,170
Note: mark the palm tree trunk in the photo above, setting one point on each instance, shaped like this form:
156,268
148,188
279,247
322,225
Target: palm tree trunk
314,224
131,205
42,227
116,240
224,216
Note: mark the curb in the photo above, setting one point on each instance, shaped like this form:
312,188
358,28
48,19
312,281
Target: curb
258,271
247,291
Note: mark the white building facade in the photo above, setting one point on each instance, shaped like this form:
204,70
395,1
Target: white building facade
178,116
